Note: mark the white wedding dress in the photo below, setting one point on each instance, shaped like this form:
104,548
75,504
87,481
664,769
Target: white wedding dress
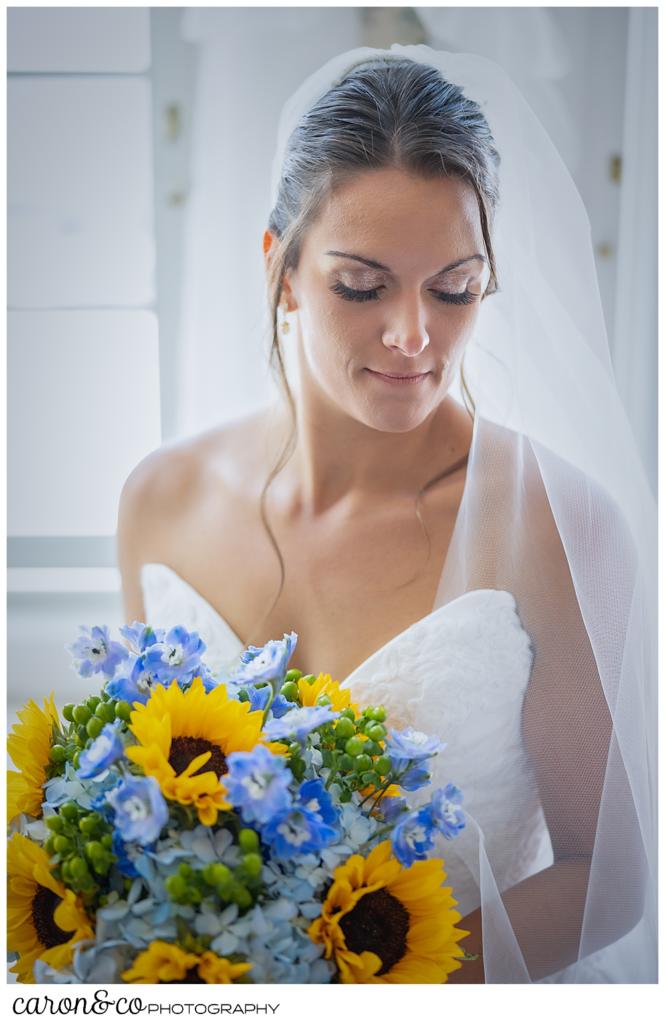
460,673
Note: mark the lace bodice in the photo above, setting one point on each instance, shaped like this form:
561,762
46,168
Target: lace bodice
461,672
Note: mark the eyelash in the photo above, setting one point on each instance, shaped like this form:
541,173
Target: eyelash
353,295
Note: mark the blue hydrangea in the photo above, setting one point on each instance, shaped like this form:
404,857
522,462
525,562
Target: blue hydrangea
178,656
411,745
101,754
446,811
297,724
140,809
314,797
258,784
413,837
266,664
297,831
93,651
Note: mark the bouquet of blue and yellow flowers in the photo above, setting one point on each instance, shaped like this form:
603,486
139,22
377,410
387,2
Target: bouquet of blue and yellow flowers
176,826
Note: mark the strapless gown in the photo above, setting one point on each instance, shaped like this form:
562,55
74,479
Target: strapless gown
461,673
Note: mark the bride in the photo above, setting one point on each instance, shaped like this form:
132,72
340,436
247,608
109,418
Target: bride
449,510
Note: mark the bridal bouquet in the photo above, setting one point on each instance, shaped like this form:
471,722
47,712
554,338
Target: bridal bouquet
178,827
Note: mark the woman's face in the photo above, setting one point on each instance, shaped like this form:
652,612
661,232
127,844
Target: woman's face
389,281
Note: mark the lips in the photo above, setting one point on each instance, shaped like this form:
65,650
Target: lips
399,376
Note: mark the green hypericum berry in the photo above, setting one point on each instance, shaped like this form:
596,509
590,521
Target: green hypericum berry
49,845
309,679
344,728
54,822
363,763
61,844
185,870
106,712
346,763
94,727
89,823
382,765
123,710
69,812
78,868
76,759
376,733
368,713
354,746
82,714
68,712
176,887
373,748
242,896
107,841
93,701
380,713
290,691
293,674
252,864
58,754
94,850
248,840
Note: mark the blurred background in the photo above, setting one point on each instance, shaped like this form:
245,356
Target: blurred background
140,143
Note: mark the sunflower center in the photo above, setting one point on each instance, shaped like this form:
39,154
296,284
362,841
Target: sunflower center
191,978
44,903
377,924
185,748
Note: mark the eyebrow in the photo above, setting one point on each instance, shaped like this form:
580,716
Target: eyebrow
382,266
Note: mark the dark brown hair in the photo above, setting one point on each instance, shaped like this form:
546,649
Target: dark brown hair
385,113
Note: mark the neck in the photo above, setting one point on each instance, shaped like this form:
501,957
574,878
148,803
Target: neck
341,466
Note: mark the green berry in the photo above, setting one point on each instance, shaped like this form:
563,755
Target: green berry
242,896
93,701
380,713
382,765
106,712
94,727
354,746
323,700
176,887
68,712
371,779
348,713
94,850
185,870
107,841
293,674
373,748
290,690
376,733
82,714
90,823
309,679
76,759
54,822
363,763
70,812
248,840
252,864
346,763
344,728
61,844
78,868
123,710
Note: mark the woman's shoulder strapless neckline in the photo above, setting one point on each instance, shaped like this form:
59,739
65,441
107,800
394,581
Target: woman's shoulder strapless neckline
170,600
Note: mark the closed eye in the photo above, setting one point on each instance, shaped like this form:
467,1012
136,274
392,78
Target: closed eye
353,295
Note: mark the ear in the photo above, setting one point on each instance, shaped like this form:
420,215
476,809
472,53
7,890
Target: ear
269,242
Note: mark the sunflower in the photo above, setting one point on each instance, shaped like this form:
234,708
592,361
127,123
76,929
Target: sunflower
184,738
163,963
383,923
44,920
329,687
29,747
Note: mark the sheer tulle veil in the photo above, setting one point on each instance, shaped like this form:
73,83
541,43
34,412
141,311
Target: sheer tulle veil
557,510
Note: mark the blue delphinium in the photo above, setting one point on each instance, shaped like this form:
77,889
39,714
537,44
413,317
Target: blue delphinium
414,778
314,797
140,809
411,745
103,752
266,664
413,836
446,812
178,656
297,724
141,636
297,831
258,784
93,651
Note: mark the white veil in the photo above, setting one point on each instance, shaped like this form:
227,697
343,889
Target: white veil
557,510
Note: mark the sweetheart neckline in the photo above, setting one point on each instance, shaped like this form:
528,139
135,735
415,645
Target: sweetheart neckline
389,643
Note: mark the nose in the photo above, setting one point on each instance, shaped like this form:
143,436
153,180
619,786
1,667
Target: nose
406,329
